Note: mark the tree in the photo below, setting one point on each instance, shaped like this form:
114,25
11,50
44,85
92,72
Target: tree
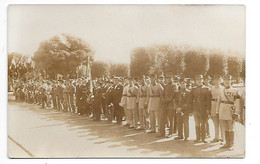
216,65
139,62
195,63
117,69
99,69
233,65
62,54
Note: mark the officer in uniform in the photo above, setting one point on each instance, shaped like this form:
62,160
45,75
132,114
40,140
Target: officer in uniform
168,110
228,110
142,99
155,95
201,106
97,98
206,83
183,110
117,94
215,91
131,103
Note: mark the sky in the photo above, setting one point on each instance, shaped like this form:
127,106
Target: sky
113,31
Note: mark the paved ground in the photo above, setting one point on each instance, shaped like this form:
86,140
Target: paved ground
34,132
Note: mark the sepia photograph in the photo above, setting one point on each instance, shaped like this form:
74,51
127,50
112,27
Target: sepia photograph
126,81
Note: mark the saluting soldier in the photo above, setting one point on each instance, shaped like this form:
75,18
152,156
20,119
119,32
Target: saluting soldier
142,99
215,91
228,110
155,95
131,103
168,110
201,107
183,110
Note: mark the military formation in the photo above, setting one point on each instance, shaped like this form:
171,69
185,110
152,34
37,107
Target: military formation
162,105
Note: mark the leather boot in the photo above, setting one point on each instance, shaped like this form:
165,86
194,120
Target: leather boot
231,140
227,141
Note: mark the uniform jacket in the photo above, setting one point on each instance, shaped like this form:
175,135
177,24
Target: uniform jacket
155,95
117,91
183,101
169,94
201,98
142,96
132,92
228,104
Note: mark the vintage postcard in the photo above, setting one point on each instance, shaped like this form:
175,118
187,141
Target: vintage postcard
126,81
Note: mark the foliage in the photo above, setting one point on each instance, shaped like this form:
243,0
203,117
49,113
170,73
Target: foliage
62,54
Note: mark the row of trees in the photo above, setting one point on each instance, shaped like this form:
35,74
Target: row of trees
62,54
184,60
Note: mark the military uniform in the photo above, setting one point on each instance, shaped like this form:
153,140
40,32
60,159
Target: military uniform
131,105
228,110
142,99
97,92
155,95
201,106
215,91
183,106
168,110
124,101
117,94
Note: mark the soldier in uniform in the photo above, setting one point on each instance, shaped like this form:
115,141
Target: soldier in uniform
97,92
142,99
72,92
215,91
168,110
155,95
131,103
183,110
201,106
117,94
228,110
206,83
124,101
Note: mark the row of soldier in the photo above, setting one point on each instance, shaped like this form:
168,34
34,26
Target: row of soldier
150,103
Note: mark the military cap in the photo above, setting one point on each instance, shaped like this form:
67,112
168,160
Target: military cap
176,78
227,77
161,77
198,77
153,76
208,77
130,78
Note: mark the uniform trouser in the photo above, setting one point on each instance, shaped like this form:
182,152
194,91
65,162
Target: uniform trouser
126,115
65,102
132,114
57,101
215,120
226,125
48,100
207,126
183,122
96,110
71,103
200,126
175,123
143,118
155,118
54,101
167,113
43,100
118,113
